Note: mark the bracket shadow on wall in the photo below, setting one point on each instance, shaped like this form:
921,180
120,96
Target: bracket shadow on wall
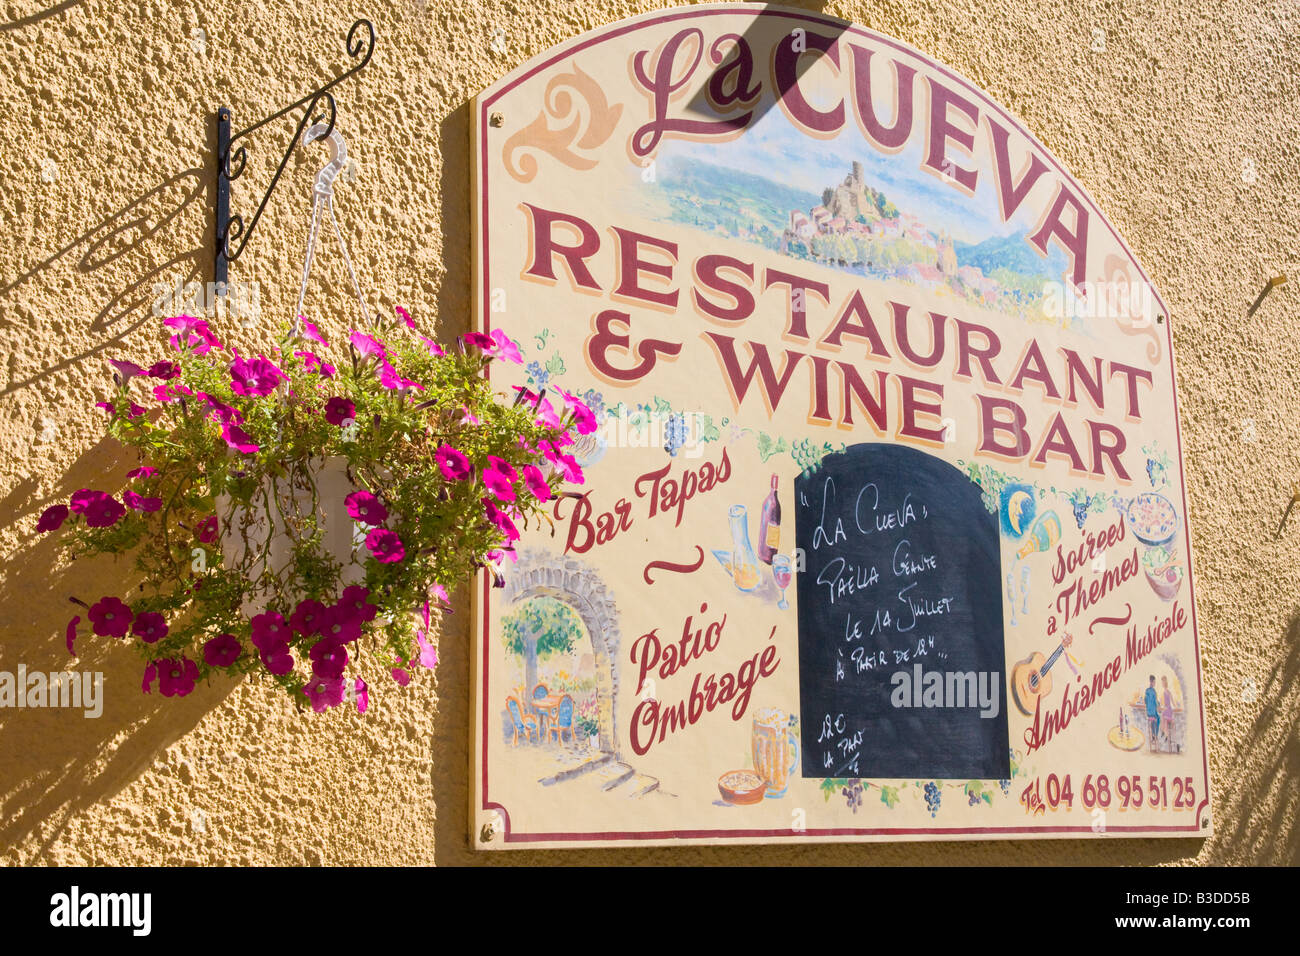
230,229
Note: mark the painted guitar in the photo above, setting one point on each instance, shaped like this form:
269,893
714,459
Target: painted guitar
1030,678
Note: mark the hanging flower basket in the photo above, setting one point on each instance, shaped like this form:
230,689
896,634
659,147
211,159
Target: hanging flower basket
300,515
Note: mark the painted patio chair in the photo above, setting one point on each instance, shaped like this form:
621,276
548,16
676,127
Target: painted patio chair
563,720
521,722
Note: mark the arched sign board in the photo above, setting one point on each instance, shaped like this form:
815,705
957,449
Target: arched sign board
884,533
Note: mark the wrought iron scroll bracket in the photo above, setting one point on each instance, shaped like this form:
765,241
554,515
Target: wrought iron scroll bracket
231,234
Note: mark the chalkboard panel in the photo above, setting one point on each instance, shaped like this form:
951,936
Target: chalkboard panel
901,660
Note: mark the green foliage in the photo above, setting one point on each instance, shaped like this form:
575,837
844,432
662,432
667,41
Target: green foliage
556,625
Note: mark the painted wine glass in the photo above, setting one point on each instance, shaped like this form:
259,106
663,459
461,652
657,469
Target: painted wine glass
781,573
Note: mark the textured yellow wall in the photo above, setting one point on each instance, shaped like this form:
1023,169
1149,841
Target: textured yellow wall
1184,129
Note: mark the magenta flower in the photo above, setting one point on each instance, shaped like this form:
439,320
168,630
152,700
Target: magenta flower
101,510
525,395
175,677
145,471
314,364
499,483
206,530
150,672
108,407
389,378
385,545
110,617
70,635
339,410
192,333
134,410
308,617
453,465
401,676
546,414
536,483
428,653
52,518
270,630
506,348
238,439
222,651
126,370
324,693
500,520
150,627
569,465
164,370
438,593
140,503
278,660
328,658
255,377
404,316
220,411
433,347
363,695
467,417
367,346
365,508
169,393
503,466
478,340
582,415
338,624
356,601
310,332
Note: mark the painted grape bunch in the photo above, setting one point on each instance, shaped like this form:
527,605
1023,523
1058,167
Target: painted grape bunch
932,796
853,794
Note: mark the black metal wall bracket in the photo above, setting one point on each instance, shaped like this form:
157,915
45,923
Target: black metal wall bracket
231,234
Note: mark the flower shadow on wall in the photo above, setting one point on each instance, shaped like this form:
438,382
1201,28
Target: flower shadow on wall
1257,800
56,760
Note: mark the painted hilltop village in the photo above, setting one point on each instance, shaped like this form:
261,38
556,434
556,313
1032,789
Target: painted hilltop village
856,228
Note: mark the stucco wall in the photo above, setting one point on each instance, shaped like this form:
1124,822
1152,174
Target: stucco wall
1184,129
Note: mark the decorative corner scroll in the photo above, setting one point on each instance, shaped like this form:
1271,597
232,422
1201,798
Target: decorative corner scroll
587,122
1118,276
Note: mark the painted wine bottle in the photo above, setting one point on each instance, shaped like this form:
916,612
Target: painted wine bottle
769,527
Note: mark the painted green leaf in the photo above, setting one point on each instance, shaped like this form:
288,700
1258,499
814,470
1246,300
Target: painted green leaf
889,796
555,365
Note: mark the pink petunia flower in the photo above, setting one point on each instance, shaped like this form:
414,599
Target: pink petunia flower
149,626
278,660
467,417
404,316
255,377
311,332
500,520
389,378
339,410
270,631
176,677
140,503
434,348
126,370
52,518
356,601
367,346
385,545
401,676
546,414
170,392
339,625
108,407
365,508
164,370
314,363
110,617
222,651
238,439
308,617
362,693
324,693
144,471
70,635
134,410
192,333
503,466
453,465
206,530
100,509
499,483
583,416
439,594
506,348
150,672
478,340
536,483
328,658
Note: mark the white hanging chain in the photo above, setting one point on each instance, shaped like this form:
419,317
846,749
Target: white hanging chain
323,194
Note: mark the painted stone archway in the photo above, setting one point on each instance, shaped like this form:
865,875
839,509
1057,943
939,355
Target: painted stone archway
538,574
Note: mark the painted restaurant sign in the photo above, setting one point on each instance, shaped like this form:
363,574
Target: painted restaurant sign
884,525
